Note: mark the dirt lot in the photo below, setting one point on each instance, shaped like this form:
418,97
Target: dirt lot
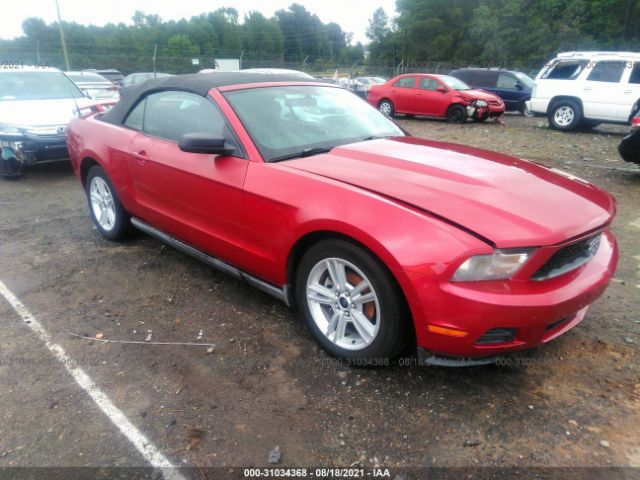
575,402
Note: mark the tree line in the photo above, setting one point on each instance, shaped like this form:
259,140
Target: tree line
292,35
418,35
501,32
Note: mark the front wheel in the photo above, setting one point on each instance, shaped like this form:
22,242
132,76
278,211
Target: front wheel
456,114
386,108
106,210
350,303
565,115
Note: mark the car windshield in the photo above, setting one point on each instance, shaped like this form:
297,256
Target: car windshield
526,79
36,86
294,121
454,83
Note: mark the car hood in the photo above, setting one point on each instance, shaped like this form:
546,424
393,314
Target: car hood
39,113
479,95
507,201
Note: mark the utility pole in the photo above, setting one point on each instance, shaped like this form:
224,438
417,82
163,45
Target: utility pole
155,50
62,40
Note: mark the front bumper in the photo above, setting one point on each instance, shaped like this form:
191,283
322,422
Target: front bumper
29,149
535,311
538,105
483,113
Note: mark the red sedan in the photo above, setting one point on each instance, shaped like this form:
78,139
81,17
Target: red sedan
435,96
380,239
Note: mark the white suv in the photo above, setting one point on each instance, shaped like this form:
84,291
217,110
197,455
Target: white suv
583,89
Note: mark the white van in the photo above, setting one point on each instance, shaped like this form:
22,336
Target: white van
587,88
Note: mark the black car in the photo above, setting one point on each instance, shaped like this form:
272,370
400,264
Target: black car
629,148
513,87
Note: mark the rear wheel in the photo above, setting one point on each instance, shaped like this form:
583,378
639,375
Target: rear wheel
104,205
565,115
386,108
456,114
350,303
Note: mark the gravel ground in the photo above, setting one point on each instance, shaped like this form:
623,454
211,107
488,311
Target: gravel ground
574,402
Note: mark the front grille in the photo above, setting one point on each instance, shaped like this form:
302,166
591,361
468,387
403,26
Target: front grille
569,258
497,335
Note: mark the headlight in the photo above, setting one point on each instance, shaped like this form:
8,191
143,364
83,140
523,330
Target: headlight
481,103
9,130
500,265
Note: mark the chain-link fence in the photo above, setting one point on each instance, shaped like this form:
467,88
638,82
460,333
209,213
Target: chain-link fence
170,60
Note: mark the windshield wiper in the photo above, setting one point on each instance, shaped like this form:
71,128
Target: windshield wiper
307,152
374,137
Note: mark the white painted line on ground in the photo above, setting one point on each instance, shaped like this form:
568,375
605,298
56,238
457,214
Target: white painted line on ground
137,438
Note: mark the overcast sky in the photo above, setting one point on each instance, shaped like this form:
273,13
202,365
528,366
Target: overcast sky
352,15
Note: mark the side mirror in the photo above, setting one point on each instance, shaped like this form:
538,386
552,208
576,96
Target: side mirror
441,89
519,85
204,143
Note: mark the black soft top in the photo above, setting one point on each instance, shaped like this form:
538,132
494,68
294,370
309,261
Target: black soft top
198,83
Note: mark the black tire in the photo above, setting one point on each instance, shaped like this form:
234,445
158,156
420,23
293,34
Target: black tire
393,330
121,228
456,114
386,107
588,124
565,115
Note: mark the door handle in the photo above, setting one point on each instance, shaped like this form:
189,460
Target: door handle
588,89
628,91
141,156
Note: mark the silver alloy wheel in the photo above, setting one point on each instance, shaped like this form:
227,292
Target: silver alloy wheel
102,204
343,303
564,116
385,108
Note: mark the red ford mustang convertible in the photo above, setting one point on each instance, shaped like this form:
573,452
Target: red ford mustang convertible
380,239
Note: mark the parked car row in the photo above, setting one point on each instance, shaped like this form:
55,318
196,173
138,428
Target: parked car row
575,89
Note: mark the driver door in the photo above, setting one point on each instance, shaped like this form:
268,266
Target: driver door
194,197
430,100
